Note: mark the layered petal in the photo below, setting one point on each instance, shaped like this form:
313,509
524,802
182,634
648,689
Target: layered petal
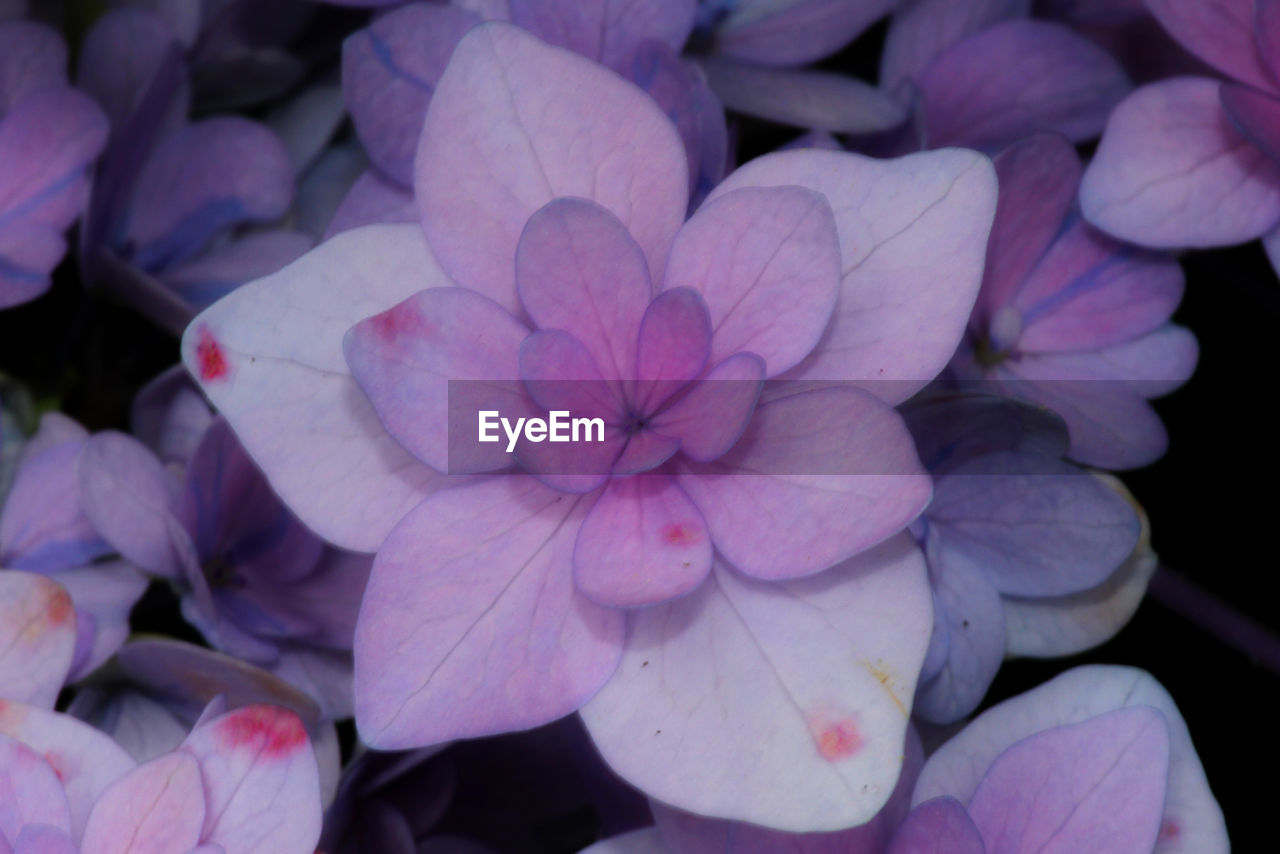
30,792
920,31
913,237
157,808
321,443
794,694
515,123
37,638
471,624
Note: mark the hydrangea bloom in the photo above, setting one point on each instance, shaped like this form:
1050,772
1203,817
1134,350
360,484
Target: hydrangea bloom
44,529
161,227
49,137
67,788
1191,161
1098,759
808,263
1073,320
254,581
1010,522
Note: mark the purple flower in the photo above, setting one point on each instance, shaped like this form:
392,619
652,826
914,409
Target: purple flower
1098,759
44,530
1017,541
49,137
1192,161
67,788
484,611
254,581
1073,320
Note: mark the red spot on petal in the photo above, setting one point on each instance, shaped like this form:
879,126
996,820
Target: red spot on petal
680,534
56,763
836,738
210,357
403,319
61,611
270,731
1170,829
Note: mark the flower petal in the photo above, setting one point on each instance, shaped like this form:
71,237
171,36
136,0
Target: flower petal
794,695
767,261
816,478
37,637
157,808
920,31
913,237
1255,114
708,418
471,624
320,443
939,826
30,792
793,32
515,123
608,31
1171,171
1221,32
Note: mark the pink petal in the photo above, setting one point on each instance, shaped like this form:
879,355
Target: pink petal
710,416
1255,114
1082,693
320,443
85,760
794,32
1172,171
471,624
816,478
673,347
1016,78
1221,32
257,766
30,792
1039,177
913,237
579,270
939,826
37,637
405,358
515,123
157,808
794,695
1096,786
767,261
642,543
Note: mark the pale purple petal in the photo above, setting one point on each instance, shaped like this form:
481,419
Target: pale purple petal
816,478
389,72
471,624
794,32
795,695
202,179
808,99
406,357
913,237
1192,819
505,135
939,826
85,760
43,839
257,765
320,444
1095,786
157,808
767,262
103,595
643,542
131,499
30,792
580,271
921,30
1221,32
1172,171
1017,78
170,415
710,417
673,347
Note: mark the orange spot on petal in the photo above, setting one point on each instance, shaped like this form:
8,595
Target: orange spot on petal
210,357
61,611
271,731
836,738
680,534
